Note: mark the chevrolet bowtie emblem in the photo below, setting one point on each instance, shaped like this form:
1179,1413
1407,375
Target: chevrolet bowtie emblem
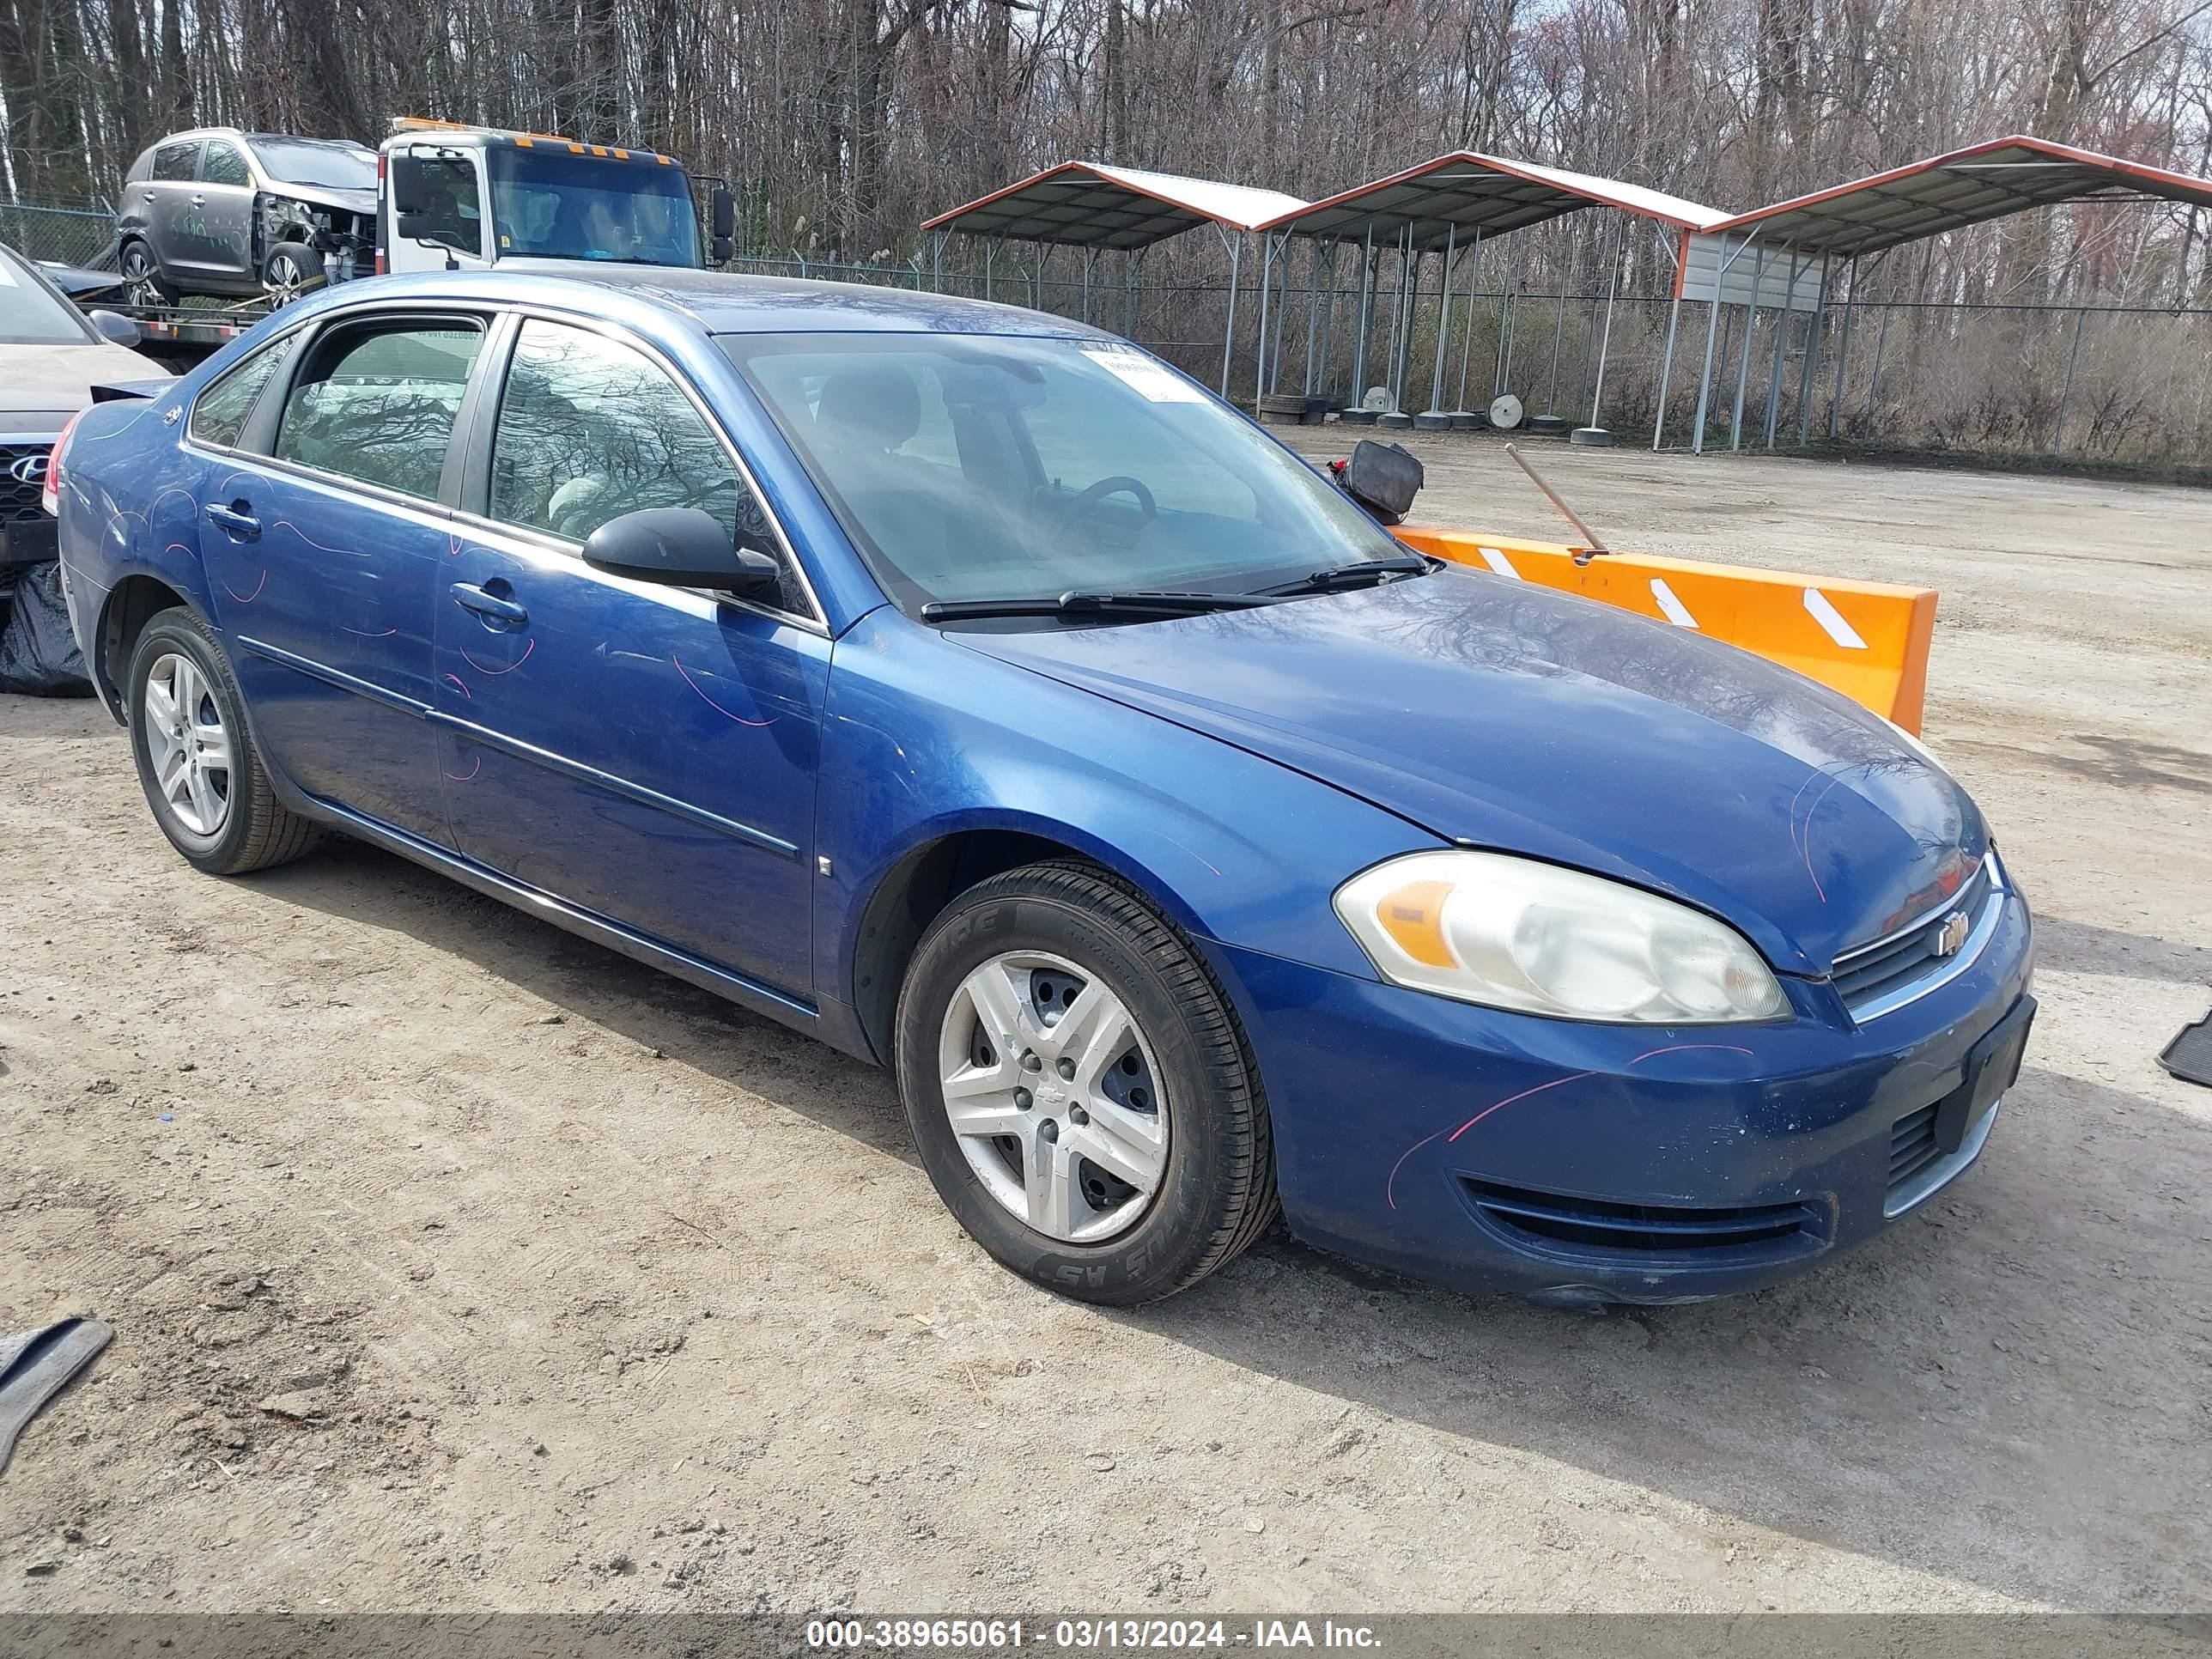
1952,935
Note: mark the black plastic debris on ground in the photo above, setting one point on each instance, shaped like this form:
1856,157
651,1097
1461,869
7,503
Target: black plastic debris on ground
39,656
2189,1056
35,1365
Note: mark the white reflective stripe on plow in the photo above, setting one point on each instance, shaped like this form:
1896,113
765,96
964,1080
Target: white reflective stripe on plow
1825,613
1499,563
1670,607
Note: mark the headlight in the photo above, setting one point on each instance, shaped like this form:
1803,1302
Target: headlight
1510,933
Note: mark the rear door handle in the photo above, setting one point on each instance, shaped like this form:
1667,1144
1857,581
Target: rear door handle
238,523
489,605
199,200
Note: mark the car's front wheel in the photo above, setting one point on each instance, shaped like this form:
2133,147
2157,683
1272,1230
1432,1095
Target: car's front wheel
292,269
1079,1090
196,755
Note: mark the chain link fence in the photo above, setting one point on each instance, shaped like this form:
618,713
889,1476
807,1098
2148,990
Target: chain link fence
69,236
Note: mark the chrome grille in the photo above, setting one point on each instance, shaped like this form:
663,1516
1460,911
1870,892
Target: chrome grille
1875,978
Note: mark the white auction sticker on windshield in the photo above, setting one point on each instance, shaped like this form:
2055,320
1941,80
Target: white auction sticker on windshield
1153,380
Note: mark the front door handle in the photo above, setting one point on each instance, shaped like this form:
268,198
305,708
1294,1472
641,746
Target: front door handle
199,200
237,519
490,606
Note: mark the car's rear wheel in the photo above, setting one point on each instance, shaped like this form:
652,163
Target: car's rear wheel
142,282
291,269
196,755
1079,1090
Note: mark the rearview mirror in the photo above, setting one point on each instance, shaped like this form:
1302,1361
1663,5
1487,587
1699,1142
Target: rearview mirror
114,328
403,173
682,547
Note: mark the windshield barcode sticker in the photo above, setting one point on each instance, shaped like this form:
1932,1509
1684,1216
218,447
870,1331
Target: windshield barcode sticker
1149,377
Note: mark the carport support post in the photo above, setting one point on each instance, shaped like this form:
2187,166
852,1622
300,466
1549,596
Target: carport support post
1443,320
1359,338
2066,392
1282,311
1809,369
1089,254
990,264
1667,368
1130,260
1260,344
1401,324
1466,345
1781,338
937,262
1235,247
1605,342
1881,344
1743,357
1843,345
1713,333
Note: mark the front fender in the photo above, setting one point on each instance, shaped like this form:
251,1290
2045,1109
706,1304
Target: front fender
923,740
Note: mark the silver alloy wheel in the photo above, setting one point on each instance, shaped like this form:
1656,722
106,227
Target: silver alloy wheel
139,287
285,281
188,745
1052,1091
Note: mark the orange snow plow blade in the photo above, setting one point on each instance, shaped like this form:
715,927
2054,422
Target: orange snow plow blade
1867,640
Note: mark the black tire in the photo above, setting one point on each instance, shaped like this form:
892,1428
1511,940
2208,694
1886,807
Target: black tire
1216,1195
142,275
257,829
291,269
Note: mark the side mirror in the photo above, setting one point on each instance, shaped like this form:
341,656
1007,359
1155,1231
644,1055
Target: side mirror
114,328
682,547
403,174
722,214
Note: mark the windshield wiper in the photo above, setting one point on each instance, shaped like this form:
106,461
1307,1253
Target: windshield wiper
1080,602
1365,573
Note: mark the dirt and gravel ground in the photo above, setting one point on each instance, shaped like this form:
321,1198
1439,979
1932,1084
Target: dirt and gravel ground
456,1264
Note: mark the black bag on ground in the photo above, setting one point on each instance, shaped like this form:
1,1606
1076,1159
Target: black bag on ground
1384,478
39,656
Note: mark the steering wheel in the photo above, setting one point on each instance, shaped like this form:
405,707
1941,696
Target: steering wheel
1086,505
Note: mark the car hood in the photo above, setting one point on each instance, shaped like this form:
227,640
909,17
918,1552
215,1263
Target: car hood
347,200
58,379
1513,717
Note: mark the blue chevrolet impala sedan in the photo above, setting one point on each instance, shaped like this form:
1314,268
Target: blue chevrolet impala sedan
969,689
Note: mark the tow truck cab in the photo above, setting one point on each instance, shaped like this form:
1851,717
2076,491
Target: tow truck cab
451,197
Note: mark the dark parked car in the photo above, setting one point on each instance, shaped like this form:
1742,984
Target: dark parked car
232,214
972,691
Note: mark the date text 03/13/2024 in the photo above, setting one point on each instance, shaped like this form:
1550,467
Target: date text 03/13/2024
1084,1635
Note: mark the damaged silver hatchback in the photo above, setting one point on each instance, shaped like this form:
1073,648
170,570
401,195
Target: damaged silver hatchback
237,215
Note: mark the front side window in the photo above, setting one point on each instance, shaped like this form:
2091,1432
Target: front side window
564,206
982,467
219,413
223,165
378,404
451,214
175,161
590,428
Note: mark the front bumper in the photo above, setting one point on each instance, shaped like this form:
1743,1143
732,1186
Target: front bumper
1584,1163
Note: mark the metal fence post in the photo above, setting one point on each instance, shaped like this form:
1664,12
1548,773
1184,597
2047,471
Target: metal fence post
2073,357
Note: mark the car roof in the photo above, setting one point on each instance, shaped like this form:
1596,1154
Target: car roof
722,302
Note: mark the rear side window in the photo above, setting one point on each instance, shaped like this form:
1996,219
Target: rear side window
378,404
175,161
219,413
223,165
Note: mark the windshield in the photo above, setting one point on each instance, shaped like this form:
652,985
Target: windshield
581,207
972,467
330,163
33,314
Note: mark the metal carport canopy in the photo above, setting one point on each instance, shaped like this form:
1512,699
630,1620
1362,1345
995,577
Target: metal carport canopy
1967,186
1091,204
1466,191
